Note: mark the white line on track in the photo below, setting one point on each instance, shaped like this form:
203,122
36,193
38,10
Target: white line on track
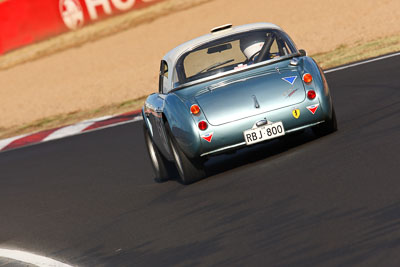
73,129
31,258
138,118
362,62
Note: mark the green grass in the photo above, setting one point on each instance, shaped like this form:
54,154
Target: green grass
345,54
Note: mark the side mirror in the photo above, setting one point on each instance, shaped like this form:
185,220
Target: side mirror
303,52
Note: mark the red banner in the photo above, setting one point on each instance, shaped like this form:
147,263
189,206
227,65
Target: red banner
26,21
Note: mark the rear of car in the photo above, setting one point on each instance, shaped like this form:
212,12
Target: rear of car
231,88
252,101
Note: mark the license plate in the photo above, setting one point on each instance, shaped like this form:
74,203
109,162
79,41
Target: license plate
263,133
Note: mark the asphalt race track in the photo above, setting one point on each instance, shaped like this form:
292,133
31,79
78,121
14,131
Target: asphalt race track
90,200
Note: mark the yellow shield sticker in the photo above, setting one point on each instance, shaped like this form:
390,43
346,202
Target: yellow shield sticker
296,113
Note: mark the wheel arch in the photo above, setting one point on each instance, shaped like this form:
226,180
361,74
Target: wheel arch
182,126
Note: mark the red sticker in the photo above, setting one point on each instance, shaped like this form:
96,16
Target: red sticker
313,108
208,137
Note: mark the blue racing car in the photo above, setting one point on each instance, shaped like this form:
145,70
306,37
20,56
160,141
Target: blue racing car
231,88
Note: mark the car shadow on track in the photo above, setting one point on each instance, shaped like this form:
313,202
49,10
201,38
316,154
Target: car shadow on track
258,152
247,155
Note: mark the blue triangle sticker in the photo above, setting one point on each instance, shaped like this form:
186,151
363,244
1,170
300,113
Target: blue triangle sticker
290,79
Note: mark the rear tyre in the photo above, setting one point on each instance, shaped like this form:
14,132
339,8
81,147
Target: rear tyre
190,169
326,127
163,169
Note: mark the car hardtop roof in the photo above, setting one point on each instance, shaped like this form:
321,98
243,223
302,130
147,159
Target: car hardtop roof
175,53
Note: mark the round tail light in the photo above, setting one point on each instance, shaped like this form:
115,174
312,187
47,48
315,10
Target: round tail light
311,94
195,109
307,78
203,125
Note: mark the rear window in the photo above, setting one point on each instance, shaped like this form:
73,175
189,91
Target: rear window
230,53
203,60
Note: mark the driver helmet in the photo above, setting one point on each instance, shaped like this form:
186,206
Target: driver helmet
252,44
